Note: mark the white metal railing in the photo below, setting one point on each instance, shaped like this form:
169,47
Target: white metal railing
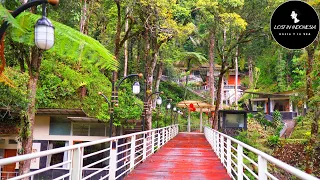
234,156
118,157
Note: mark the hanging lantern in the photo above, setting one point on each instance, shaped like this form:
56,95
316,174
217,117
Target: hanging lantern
136,88
159,100
44,34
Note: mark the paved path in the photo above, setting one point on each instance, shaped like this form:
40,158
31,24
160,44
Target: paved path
290,127
187,156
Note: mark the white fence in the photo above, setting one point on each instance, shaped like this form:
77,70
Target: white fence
120,155
234,156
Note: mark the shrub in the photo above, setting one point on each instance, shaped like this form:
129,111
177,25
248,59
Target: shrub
277,118
273,140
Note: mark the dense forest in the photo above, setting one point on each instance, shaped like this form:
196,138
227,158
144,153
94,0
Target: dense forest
98,42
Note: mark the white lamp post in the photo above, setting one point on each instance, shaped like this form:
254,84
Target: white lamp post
136,88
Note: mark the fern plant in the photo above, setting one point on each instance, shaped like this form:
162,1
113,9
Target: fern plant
69,43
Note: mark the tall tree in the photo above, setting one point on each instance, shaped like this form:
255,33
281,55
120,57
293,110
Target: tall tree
313,103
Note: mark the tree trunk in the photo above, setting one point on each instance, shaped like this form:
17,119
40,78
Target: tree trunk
148,81
215,118
26,129
311,147
83,17
223,61
220,82
187,79
250,72
236,78
125,68
160,70
138,54
211,66
157,85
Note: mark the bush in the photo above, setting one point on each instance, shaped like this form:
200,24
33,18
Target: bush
273,141
277,118
298,119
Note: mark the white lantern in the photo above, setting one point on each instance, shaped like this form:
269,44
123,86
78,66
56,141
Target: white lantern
174,109
159,100
44,34
136,88
168,106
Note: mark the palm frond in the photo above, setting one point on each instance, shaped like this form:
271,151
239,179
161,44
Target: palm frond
6,16
69,43
194,57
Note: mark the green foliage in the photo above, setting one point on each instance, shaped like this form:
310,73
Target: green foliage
302,130
273,141
277,121
13,99
69,43
6,16
129,108
260,117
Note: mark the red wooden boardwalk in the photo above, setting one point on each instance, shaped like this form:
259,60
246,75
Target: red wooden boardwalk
187,156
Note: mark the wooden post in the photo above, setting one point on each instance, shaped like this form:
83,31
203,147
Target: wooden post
189,120
268,110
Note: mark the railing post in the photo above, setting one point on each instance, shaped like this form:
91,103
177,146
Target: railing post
177,129
77,163
240,162
214,141
132,151
158,138
262,168
113,160
228,155
152,141
222,149
163,136
144,156
167,136
217,144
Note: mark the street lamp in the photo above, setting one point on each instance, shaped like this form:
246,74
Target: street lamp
159,102
136,88
44,30
114,96
174,109
167,108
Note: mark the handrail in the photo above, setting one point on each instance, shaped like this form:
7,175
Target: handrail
145,142
221,142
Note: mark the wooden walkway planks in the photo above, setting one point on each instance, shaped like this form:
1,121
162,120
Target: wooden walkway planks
187,156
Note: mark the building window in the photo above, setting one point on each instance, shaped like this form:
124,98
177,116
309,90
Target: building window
97,129
196,73
59,125
234,120
12,141
88,129
80,129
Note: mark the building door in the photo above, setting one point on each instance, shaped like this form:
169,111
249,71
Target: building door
8,171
